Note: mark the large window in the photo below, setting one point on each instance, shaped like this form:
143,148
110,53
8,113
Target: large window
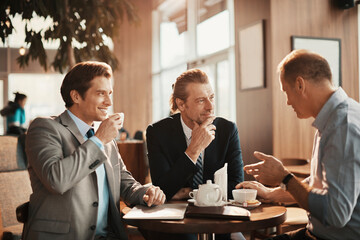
212,29
43,92
193,34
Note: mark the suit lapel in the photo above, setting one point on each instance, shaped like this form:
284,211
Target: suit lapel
67,122
179,132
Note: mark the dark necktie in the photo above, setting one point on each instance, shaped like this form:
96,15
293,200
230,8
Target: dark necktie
198,177
90,133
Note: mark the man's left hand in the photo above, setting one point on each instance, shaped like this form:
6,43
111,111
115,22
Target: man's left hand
154,196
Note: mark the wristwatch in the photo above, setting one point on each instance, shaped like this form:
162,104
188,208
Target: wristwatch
285,181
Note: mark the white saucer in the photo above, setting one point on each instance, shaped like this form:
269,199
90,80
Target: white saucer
244,205
220,205
191,200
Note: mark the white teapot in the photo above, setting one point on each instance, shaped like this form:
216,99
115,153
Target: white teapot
209,194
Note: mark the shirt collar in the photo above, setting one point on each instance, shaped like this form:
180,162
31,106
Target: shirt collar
81,125
186,129
336,98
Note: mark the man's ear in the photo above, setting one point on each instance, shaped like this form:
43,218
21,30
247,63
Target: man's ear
180,104
300,84
75,96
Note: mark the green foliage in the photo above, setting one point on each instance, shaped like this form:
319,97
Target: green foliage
86,22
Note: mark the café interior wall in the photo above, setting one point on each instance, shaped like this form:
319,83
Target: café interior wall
254,106
293,137
133,84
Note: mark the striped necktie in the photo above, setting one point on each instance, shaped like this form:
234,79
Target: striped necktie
198,177
90,133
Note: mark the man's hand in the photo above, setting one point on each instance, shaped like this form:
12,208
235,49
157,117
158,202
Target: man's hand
154,196
109,128
202,135
270,171
262,191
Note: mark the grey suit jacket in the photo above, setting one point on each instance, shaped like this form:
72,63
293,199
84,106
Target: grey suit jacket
62,172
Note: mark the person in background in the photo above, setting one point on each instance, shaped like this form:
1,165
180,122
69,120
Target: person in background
15,115
331,194
76,172
187,148
123,134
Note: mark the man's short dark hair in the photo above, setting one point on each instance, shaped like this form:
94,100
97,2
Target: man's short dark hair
306,64
79,78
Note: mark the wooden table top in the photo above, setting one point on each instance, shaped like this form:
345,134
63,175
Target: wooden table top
266,215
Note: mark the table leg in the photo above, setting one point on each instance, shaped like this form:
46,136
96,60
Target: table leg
206,236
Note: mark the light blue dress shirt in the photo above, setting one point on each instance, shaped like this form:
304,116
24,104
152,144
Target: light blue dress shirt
334,202
103,188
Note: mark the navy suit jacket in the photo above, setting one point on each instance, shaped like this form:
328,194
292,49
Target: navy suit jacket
172,170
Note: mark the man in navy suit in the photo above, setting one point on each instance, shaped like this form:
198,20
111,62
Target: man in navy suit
176,144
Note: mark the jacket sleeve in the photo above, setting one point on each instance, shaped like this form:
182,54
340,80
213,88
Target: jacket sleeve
44,149
169,174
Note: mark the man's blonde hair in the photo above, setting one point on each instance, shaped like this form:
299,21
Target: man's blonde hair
179,87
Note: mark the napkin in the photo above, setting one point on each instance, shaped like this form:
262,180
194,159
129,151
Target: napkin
221,179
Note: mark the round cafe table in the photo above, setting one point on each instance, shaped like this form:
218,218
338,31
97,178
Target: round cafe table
264,216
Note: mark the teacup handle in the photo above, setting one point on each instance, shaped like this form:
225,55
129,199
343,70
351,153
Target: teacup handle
191,194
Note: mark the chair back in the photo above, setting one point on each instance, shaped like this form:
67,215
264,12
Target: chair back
15,189
12,155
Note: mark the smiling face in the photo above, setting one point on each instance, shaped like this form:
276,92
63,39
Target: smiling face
96,101
199,104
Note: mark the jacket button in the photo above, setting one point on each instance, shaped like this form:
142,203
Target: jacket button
95,204
94,164
93,227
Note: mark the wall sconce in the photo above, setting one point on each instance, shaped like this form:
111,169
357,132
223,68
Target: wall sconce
22,51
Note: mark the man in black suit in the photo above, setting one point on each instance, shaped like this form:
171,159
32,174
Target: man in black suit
194,141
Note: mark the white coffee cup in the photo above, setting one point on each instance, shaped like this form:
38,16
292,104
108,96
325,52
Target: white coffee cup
193,193
243,195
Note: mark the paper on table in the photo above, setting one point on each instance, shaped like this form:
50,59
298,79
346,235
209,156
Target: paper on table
165,211
221,179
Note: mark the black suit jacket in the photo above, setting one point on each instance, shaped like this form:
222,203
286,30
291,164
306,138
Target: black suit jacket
172,170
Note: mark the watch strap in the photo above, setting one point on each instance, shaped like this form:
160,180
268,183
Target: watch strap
287,178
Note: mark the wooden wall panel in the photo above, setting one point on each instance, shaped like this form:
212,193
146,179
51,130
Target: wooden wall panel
254,106
132,87
316,18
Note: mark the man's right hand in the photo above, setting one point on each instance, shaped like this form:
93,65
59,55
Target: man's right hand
201,136
109,128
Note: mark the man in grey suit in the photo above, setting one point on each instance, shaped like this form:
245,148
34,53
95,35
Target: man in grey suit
77,177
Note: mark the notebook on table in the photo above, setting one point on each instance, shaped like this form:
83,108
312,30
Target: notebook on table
166,212
221,212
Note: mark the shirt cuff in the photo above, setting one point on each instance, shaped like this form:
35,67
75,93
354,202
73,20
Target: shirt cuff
190,158
318,204
97,141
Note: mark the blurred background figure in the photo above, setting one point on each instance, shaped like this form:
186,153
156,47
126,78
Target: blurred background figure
139,135
123,134
15,115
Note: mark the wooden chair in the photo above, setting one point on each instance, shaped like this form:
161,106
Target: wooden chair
296,218
15,190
